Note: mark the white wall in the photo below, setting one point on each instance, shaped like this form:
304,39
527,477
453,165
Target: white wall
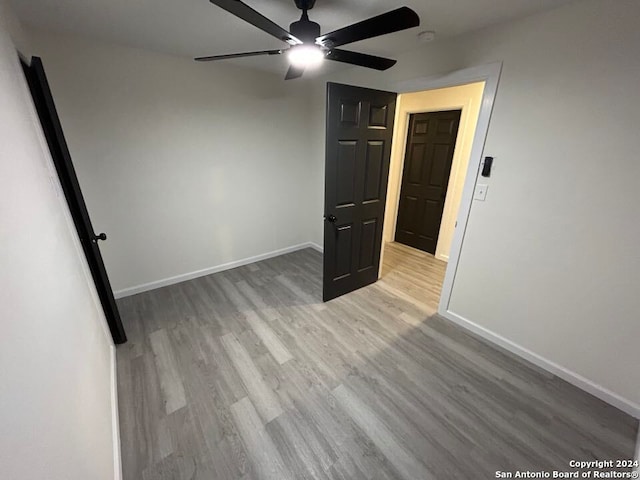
184,165
550,261
55,359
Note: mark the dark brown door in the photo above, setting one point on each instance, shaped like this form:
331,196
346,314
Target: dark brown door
358,149
427,167
52,128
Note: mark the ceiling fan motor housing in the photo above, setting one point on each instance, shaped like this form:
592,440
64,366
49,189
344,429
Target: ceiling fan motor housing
305,30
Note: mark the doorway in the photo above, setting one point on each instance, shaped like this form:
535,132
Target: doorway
378,114
432,147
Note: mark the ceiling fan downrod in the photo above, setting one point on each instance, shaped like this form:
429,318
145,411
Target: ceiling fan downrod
305,29
305,4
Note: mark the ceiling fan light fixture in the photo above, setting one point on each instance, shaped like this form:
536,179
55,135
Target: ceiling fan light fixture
305,56
308,47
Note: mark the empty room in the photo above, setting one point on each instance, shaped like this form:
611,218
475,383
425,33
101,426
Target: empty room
319,239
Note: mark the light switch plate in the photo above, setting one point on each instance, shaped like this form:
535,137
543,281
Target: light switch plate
481,192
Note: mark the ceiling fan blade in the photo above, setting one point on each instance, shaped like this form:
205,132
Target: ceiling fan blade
294,72
393,21
360,59
237,55
248,14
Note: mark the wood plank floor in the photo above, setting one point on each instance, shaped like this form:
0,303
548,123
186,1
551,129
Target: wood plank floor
247,375
415,273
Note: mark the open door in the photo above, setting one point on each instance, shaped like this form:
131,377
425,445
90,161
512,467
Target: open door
358,151
52,128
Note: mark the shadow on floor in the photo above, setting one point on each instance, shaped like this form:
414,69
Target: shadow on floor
246,374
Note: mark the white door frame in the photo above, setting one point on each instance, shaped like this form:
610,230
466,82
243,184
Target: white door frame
490,74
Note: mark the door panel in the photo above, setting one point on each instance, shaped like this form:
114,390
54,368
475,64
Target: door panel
342,251
358,149
373,170
346,173
52,129
425,178
368,244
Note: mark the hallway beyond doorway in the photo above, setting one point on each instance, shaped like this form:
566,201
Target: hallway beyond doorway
416,273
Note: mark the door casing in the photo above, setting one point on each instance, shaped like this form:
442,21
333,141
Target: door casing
490,75
469,102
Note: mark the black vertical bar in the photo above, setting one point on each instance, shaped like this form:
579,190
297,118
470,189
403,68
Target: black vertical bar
54,135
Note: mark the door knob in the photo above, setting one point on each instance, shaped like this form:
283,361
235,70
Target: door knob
332,219
102,236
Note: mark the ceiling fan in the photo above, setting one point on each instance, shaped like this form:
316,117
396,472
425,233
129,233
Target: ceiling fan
307,47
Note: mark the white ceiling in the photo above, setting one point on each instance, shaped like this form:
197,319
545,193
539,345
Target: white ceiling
197,27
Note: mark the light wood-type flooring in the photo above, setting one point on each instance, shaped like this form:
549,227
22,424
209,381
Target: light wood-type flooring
418,274
247,375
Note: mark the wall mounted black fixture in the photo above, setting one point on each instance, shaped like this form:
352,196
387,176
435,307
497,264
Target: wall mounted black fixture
486,166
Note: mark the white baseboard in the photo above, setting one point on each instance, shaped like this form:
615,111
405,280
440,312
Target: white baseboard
145,287
637,457
579,381
117,459
316,247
